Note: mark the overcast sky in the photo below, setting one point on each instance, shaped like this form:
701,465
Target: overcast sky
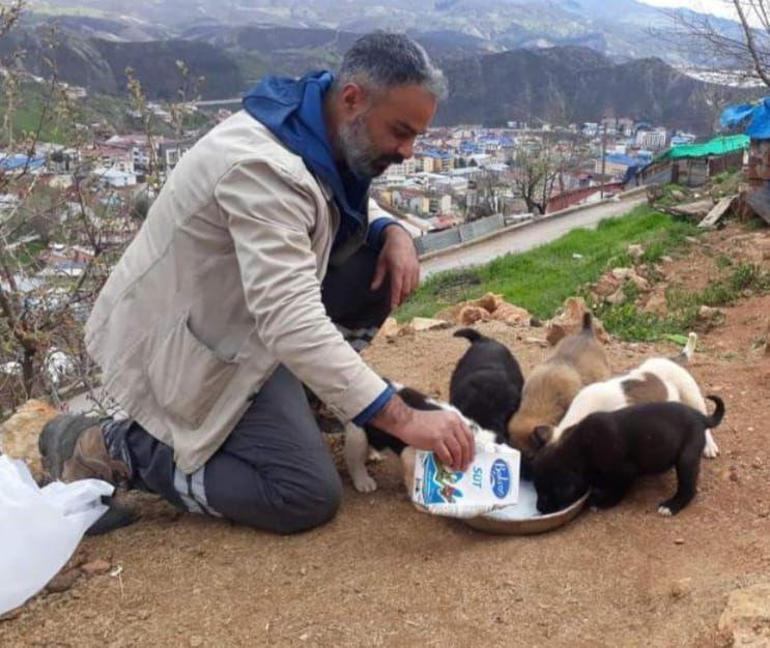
718,7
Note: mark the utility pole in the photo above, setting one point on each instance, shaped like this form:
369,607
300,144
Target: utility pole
604,156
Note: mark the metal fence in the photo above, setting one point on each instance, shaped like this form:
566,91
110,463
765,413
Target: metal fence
463,234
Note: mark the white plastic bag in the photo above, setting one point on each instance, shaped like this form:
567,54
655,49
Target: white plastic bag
40,528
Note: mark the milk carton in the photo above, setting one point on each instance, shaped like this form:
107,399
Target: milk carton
491,482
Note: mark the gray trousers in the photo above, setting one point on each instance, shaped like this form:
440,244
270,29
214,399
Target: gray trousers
274,471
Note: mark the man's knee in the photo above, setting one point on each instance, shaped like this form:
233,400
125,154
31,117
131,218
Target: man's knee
288,499
316,506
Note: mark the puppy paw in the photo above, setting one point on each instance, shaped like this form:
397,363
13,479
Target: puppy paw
665,511
711,449
364,483
375,456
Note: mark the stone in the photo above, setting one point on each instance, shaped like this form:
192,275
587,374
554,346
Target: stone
621,274
196,641
570,320
63,581
472,314
640,282
488,302
606,285
746,618
618,297
389,328
709,314
420,324
19,434
511,314
656,304
636,251
680,589
95,567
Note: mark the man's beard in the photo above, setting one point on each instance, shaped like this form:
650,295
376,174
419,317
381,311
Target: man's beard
361,156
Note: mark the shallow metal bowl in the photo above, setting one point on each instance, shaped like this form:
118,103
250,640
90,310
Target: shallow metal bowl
511,520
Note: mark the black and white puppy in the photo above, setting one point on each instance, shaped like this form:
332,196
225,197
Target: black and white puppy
486,384
360,441
607,451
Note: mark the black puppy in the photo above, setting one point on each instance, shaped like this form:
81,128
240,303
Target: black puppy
486,383
606,451
358,441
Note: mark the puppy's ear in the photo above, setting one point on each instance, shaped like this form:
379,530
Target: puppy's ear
541,435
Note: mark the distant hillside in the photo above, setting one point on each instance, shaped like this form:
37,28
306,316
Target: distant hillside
618,28
99,64
576,85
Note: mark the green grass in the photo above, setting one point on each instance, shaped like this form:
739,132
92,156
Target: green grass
541,279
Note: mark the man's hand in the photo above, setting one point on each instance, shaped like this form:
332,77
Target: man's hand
441,431
398,261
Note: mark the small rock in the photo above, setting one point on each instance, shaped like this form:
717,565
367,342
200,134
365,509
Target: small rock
95,567
691,239
196,641
734,477
746,618
577,256
143,615
757,463
428,324
679,541
656,304
63,581
680,589
636,251
709,314
472,314
304,637
667,259
303,571
535,323
389,328
616,298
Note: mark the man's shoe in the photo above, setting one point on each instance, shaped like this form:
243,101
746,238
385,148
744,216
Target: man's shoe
72,447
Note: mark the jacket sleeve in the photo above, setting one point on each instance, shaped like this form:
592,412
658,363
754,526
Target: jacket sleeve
379,219
270,217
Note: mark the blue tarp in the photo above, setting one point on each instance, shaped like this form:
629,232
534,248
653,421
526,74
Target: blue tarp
19,161
756,115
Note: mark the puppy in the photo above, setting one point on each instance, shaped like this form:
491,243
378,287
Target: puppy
607,451
486,383
578,360
358,441
655,380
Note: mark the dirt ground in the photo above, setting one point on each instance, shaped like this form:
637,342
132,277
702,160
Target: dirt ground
382,574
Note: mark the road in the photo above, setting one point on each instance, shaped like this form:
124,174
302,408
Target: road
528,236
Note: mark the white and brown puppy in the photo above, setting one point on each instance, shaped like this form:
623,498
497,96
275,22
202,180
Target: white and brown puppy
655,380
607,451
359,442
578,360
486,384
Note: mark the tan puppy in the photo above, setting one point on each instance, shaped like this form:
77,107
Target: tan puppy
578,360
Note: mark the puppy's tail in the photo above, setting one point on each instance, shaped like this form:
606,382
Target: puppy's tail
472,335
719,413
688,351
588,323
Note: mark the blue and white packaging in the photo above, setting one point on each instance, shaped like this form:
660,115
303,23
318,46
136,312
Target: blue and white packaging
491,482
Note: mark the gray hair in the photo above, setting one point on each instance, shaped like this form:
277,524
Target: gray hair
383,60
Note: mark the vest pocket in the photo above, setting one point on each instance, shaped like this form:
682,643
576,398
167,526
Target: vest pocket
186,376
